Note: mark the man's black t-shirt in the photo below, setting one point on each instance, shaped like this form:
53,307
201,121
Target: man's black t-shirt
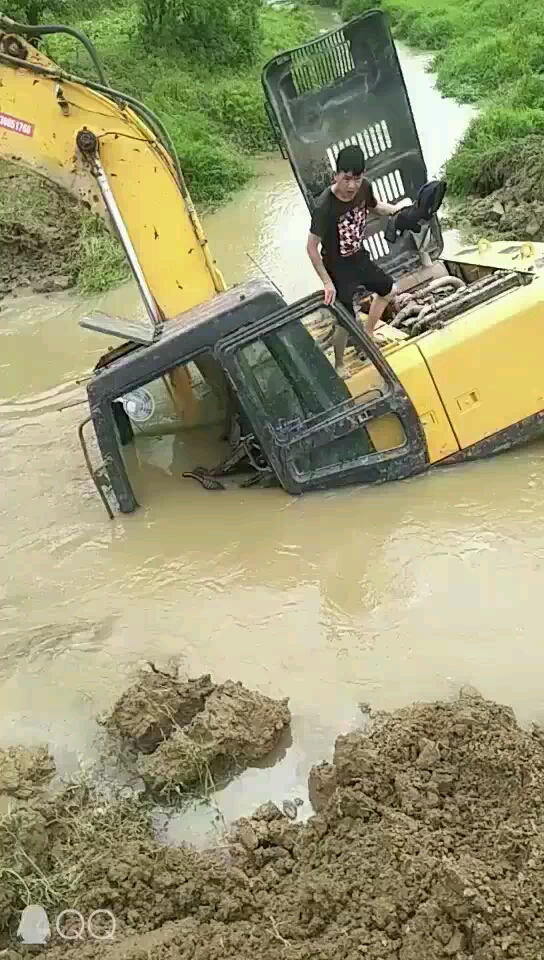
340,226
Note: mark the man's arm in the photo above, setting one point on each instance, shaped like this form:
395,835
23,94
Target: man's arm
312,249
388,209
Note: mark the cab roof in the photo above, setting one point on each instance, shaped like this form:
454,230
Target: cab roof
194,332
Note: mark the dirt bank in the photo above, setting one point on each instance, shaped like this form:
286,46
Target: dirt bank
509,197
428,843
50,242
39,233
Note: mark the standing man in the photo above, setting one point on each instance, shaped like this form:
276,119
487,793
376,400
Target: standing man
338,223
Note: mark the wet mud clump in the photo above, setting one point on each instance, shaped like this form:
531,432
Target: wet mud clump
190,733
148,711
428,843
22,769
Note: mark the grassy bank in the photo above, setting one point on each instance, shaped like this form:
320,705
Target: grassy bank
488,52
214,113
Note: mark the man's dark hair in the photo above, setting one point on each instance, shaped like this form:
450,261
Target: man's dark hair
351,160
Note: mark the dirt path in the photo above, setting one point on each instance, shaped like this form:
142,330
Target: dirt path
427,842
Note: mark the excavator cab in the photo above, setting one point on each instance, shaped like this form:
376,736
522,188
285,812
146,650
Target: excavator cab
346,88
296,422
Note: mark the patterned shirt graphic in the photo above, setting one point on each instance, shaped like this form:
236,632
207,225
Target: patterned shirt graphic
340,225
351,228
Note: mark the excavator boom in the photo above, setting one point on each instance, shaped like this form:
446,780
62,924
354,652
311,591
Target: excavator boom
100,149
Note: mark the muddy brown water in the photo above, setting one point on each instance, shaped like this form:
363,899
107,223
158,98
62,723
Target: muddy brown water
383,595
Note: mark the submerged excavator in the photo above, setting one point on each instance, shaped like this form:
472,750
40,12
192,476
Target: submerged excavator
459,372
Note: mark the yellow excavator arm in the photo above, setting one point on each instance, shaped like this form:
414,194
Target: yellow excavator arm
108,152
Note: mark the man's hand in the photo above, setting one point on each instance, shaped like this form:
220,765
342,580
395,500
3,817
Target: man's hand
330,293
390,209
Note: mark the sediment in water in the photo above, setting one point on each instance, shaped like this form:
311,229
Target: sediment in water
428,842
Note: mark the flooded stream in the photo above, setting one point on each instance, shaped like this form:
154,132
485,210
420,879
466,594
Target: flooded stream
382,595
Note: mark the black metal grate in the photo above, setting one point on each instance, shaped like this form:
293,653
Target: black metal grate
372,140
320,63
348,88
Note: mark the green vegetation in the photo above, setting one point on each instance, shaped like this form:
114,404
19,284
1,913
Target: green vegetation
196,63
100,262
489,52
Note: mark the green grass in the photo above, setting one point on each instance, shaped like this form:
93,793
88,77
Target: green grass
100,262
488,52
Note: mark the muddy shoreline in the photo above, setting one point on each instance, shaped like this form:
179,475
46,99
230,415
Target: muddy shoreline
40,229
426,841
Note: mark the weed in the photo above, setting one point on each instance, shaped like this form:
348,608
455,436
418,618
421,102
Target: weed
100,262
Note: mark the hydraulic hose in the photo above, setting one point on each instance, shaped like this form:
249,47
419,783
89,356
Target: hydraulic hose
25,29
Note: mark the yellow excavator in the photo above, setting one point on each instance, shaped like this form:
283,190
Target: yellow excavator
459,373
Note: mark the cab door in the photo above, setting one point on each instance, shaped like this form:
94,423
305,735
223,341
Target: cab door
313,431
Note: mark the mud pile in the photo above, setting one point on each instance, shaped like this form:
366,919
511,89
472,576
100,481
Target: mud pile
194,732
510,195
428,843
39,233
22,769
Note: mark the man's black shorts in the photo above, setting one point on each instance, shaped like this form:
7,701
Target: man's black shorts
356,272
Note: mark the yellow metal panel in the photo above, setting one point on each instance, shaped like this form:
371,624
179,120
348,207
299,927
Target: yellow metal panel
502,255
488,366
39,131
386,432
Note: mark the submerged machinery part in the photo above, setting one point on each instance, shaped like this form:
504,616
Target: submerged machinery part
412,302
439,282
431,305
207,480
244,453
411,309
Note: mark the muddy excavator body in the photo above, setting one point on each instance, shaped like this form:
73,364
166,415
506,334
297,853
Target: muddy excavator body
447,381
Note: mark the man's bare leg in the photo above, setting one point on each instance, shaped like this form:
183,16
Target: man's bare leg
376,312
339,343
